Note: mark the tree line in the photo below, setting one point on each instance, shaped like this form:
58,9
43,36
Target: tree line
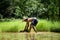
46,9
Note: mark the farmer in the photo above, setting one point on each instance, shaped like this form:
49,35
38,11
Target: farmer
33,21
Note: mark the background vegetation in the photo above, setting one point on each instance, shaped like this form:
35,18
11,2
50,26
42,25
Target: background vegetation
46,9
12,11
17,25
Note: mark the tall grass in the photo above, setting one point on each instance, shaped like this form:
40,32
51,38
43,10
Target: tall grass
12,26
17,25
45,25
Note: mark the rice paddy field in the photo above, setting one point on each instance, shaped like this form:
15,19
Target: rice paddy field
30,36
47,30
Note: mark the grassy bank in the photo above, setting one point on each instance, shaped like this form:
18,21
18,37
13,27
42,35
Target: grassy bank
17,25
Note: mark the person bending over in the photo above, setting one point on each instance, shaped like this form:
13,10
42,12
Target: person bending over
33,24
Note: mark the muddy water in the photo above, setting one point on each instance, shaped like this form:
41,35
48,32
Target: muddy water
30,36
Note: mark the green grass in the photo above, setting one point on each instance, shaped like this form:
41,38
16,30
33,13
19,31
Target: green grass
45,25
16,25
13,25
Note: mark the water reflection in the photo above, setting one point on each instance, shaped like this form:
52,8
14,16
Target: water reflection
30,36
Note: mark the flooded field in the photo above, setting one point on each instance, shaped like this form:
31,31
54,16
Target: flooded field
30,36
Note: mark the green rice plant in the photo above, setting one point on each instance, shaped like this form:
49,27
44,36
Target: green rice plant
55,27
45,25
16,25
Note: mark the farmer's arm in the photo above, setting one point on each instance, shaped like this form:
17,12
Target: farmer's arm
26,26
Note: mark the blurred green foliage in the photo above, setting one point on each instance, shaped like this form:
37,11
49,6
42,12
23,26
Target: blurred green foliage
17,25
46,9
45,25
